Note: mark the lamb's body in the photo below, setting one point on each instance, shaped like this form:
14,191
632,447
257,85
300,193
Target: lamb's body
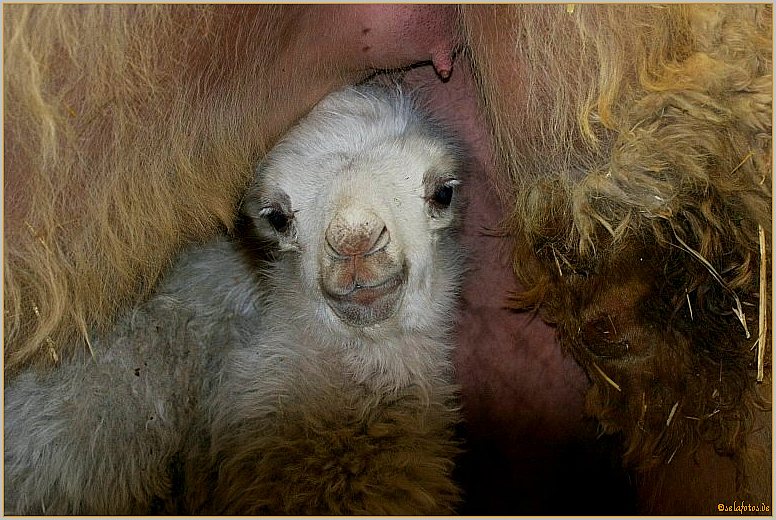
316,382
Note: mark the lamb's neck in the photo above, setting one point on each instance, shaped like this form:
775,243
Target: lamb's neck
399,363
385,356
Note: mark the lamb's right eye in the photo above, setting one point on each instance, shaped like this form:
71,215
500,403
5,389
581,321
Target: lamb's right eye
443,194
276,218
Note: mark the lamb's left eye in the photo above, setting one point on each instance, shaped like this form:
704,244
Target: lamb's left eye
277,219
443,195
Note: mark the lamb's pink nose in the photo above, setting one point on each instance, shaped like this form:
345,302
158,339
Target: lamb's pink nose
356,231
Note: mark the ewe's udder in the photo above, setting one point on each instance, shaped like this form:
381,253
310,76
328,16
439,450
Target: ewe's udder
386,36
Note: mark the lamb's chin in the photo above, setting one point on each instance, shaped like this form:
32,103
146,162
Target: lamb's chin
367,306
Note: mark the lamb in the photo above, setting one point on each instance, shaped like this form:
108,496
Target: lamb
303,368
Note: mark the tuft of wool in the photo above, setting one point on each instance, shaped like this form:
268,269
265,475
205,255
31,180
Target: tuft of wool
636,156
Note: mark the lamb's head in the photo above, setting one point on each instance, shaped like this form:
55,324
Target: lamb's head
360,201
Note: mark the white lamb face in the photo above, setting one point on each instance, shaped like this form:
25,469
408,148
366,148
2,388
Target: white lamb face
357,199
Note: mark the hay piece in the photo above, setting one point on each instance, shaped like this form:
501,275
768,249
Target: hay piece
763,324
607,378
737,310
671,413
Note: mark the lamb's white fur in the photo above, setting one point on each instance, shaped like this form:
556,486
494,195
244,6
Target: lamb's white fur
238,374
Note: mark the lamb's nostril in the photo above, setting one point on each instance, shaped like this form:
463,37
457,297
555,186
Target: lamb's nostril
356,232
383,239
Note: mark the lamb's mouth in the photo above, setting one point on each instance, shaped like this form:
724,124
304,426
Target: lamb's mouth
362,305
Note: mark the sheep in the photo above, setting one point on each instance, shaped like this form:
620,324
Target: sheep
301,367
